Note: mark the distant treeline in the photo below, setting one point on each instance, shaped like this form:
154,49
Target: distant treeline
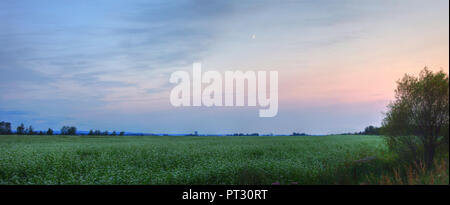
5,129
299,134
98,132
246,134
369,130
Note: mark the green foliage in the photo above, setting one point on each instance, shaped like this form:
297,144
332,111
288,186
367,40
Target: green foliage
68,130
21,129
416,125
371,130
29,130
5,128
251,175
187,160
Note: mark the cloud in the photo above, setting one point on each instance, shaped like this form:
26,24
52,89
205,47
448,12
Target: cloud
84,55
13,112
95,63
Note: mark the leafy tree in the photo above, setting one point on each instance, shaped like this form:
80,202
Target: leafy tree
21,129
5,128
113,133
72,130
105,133
122,133
417,123
64,130
67,130
91,132
49,131
371,130
29,130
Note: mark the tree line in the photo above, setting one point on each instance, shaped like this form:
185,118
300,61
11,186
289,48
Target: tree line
105,133
369,130
5,129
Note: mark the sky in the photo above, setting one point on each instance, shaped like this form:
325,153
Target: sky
106,64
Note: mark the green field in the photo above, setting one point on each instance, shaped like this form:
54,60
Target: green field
188,160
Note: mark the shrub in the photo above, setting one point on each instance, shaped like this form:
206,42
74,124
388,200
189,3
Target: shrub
416,125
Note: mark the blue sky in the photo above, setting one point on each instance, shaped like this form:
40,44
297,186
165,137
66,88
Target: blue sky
106,64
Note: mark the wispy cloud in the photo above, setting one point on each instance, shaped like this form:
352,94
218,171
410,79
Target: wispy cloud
94,63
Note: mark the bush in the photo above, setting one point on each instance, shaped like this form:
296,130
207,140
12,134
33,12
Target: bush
416,125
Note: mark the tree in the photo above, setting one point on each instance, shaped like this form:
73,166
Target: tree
72,130
91,132
29,130
64,130
67,130
49,131
105,133
5,128
417,122
122,133
113,133
371,130
20,129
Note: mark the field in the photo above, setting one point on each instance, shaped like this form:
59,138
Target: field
188,160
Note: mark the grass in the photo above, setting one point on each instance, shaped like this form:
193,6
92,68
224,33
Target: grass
192,160
415,174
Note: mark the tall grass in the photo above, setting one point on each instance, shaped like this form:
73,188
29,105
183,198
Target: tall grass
415,174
